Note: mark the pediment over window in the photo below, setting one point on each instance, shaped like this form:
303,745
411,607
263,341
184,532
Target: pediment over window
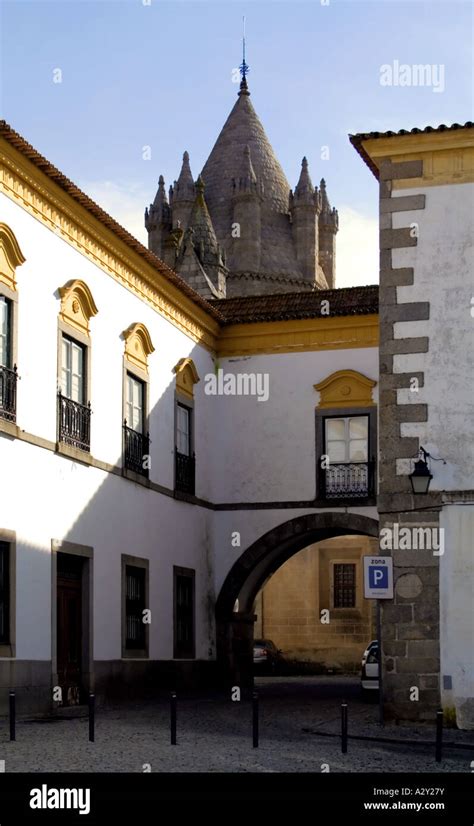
77,305
11,256
138,345
345,388
186,377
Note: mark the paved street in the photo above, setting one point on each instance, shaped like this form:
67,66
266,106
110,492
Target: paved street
214,734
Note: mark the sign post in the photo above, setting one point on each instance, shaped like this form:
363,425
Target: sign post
378,584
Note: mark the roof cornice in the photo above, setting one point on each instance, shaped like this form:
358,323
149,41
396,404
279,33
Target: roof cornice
374,146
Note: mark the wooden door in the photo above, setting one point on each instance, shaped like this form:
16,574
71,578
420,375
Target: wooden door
69,633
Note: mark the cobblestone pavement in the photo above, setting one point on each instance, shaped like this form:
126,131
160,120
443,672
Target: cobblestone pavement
214,735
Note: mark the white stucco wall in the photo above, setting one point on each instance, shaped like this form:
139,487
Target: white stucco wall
444,275
51,497
265,451
457,611
50,263
246,452
69,501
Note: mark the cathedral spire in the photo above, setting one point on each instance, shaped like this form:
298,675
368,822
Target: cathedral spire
158,219
182,195
200,221
325,205
160,198
244,68
200,261
328,216
246,180
304,190
184,186
328,227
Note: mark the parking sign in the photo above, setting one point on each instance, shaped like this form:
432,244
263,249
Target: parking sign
378,577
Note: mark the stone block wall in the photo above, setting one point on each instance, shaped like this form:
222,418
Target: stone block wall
410,624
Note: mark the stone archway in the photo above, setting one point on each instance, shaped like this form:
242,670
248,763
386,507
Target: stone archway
252,569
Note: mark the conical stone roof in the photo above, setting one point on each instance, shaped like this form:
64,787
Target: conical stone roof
201,224
241,129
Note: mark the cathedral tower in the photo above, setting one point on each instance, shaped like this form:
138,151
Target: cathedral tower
328,227
241,230
246,216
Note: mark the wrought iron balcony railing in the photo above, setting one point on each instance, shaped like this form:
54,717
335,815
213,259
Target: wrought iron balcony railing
354,480
8,380
185,468
74,423
136,450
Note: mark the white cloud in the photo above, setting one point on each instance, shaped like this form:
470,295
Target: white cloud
357,249
124,202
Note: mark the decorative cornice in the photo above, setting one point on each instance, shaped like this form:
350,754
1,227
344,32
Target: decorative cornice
300,335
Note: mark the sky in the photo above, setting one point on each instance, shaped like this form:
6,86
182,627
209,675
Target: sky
113,91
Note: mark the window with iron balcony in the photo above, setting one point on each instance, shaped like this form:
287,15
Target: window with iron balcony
136,441
346,438
8,372
11,257
185,463
74,413
346,470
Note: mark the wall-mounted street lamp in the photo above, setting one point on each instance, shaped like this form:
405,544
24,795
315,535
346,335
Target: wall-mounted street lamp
421,477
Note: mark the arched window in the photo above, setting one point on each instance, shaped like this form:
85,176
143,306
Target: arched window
185,461
74,363
138,346
11,257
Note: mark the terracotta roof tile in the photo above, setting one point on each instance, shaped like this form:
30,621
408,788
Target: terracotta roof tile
286,306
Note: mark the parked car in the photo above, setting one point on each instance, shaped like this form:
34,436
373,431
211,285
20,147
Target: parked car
369,678
266,656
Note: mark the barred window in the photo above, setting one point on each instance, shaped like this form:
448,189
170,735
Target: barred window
344,586
134,607
184,646
4,593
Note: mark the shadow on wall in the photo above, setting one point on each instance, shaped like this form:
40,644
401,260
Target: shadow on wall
83,584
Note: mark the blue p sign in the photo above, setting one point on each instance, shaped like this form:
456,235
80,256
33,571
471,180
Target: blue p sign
378,576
